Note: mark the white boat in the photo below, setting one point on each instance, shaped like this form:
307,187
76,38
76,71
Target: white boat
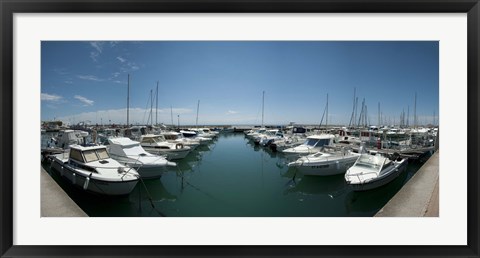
131,153
65,138
326,163
268,137
201,132
255,132
92,169
157,144
312,144
193,135
175,137
372,171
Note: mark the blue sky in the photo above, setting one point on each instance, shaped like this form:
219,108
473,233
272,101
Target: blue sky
87,81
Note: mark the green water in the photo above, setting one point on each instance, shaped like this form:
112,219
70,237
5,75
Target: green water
233,178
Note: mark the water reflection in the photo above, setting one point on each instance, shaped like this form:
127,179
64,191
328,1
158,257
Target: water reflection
328,185
368,203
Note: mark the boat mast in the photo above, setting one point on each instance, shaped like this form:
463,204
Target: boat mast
151,107
198,107
171,114
352,118
408,115
415,112
128,99
378,121
156,108
326,119
263,105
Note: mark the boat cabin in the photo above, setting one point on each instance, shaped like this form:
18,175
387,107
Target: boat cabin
85,155
319,140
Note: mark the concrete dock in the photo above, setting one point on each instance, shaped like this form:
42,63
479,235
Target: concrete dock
419,196
54,201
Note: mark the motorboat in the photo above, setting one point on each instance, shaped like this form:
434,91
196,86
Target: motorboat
131,153
202,132
268,137
92,169
256,132
330,161
211,132
193,135
312,144
372,171
158,145
68,137
287,142
175,137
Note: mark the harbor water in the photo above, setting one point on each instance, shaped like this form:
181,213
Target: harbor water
231,177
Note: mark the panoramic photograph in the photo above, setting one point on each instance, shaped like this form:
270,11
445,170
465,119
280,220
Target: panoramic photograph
239,128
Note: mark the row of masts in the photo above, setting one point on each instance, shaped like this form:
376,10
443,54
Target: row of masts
362,120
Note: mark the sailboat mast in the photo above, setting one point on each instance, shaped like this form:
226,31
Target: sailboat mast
151,107
326,119
378,121
198,107
415,112
128,100
263,105
171,114
156,108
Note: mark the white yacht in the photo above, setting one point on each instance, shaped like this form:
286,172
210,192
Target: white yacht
268,137
312,144
92,169
131,153
193,135
328,162
255,132
175,137
65,138
158,145
372,171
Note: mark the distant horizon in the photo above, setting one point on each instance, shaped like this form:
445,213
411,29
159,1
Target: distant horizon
226,80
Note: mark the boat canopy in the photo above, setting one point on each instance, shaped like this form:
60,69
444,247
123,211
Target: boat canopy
125,147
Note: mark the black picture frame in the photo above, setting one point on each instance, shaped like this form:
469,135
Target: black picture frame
9,8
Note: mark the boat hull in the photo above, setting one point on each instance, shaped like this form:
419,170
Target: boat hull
110,188
327,168
171,154
381,181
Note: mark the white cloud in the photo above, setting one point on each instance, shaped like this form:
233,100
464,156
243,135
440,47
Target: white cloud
119,58
231,112
97,45
50,97
136,116
84,100
90,78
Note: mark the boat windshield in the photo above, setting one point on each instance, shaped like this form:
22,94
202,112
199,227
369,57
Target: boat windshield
94,155
171,136
322,142
372,162
90,156
310,142
317,142
102,154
